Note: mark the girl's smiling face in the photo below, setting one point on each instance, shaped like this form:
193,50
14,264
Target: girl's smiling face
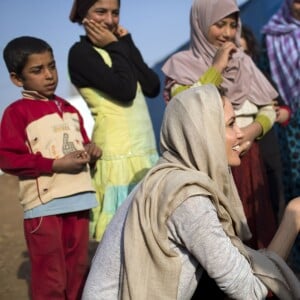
105,12
223,31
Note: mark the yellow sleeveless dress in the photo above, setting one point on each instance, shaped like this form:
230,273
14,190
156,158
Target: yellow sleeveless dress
125,134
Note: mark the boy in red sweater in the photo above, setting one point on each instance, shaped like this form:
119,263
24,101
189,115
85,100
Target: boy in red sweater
44,143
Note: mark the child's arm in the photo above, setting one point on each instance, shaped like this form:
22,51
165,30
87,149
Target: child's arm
147,78
17,159
172,88
15,156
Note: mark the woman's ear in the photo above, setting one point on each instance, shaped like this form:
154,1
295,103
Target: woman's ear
16,79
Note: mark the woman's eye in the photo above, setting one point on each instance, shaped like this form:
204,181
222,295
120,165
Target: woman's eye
231,124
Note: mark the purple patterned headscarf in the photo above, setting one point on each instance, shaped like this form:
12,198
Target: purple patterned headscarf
283,46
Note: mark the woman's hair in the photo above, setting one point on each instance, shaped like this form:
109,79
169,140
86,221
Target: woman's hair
17,51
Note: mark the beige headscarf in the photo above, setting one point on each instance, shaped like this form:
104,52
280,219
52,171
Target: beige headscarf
242,78
193,162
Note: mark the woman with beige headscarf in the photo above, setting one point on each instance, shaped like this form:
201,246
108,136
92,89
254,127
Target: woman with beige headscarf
186,217
215,49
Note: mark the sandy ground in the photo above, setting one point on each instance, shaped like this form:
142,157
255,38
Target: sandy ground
14,263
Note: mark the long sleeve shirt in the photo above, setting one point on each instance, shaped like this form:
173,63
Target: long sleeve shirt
195,232
120,80
33,133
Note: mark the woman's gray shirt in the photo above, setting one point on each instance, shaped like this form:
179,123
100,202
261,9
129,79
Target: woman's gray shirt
197,235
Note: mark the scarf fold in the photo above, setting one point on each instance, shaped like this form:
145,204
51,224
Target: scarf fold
193,162
241,78
283,45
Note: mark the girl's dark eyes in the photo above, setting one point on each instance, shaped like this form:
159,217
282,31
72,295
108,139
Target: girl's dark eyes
222,24
103,12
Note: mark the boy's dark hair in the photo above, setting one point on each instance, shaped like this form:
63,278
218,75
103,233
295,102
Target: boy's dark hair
16,52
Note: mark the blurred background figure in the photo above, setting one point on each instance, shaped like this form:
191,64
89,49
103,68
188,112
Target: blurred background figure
269,145
282,41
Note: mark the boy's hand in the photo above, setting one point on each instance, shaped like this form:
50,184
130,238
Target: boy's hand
94,152
71,163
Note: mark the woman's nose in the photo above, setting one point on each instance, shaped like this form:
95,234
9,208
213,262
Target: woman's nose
239,133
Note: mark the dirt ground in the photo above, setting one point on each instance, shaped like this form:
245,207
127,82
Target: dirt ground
14,262
14,265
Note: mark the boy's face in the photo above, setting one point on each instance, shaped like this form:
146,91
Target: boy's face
39,74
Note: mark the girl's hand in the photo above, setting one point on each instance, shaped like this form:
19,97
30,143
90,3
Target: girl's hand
223,55
282,115
244,147
250,133
121,31
98,33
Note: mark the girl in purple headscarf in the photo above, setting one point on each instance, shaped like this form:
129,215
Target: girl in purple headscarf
215,49
282,38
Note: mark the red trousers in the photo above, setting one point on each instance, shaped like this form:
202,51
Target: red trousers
58,251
